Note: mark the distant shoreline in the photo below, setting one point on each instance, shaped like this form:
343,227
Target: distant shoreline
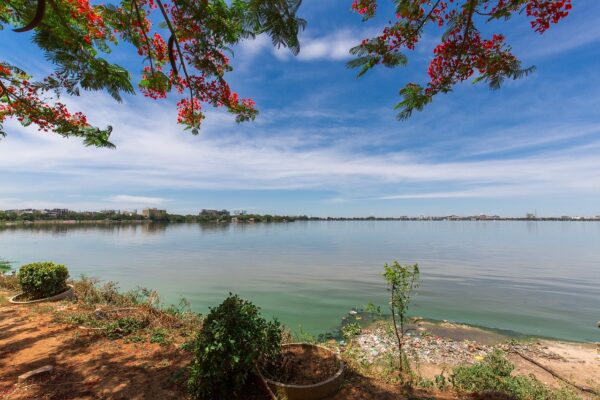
325,219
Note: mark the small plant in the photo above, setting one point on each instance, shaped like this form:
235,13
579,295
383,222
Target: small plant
426,384
160,336
373,310
234,340
43,279
304,336
350,330
135,339
402,282
440,381
122,327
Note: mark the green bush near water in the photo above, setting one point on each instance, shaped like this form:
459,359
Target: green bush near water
234,339
43,279
493,375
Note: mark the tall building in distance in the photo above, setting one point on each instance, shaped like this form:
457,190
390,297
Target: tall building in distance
154,213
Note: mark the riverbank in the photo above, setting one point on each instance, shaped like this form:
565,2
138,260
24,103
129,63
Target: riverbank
150,362
71,222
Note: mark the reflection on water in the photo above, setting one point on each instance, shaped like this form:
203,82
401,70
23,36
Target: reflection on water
530,277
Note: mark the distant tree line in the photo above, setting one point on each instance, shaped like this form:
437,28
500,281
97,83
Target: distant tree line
38,215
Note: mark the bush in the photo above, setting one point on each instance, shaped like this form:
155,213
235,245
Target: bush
233,340
122,327
494,375
350,330
43,279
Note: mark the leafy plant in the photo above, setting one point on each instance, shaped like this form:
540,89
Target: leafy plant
373,310
160,336
233,341
122,327
402,282
43,279
494,375
350,330
440,381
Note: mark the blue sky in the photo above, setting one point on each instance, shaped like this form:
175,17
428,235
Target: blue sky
326,143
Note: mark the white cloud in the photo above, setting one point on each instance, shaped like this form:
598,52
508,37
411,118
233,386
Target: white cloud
334,46
155,155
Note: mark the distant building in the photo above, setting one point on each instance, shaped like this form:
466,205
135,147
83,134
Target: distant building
214,213
530,216
240,212
57,212
154,213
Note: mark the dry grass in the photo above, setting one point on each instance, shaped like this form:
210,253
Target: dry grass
103,308
9,282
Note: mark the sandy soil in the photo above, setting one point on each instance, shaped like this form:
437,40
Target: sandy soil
87,366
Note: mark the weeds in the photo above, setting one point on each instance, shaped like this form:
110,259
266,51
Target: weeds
350,330
494,375
160,336
9,282
123,327
117,314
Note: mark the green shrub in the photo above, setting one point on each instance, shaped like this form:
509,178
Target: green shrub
233,340
160,336
43,279
122,327
494,375
350,330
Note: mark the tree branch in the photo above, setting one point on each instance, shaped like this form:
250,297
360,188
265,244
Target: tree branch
179,52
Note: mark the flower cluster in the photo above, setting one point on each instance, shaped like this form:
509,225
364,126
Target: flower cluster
546,12
199,63
462,52
457,58
25,101
366,8
90,18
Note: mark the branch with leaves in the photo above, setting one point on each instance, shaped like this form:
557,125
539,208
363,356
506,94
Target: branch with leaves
191,64
462,52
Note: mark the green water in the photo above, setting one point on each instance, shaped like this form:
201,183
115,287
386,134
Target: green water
538,278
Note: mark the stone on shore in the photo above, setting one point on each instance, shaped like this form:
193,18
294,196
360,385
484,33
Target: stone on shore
46,369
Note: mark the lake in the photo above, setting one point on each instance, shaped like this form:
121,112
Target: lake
534,278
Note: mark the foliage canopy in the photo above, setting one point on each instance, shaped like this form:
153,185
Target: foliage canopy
184,46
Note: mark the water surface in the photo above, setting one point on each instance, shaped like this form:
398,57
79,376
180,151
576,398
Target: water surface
538,278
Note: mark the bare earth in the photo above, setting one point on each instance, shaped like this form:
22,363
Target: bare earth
87,366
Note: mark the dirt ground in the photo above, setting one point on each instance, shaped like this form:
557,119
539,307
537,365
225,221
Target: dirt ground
87,366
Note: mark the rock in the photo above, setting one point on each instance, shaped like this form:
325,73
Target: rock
352,312
598,324
46,369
